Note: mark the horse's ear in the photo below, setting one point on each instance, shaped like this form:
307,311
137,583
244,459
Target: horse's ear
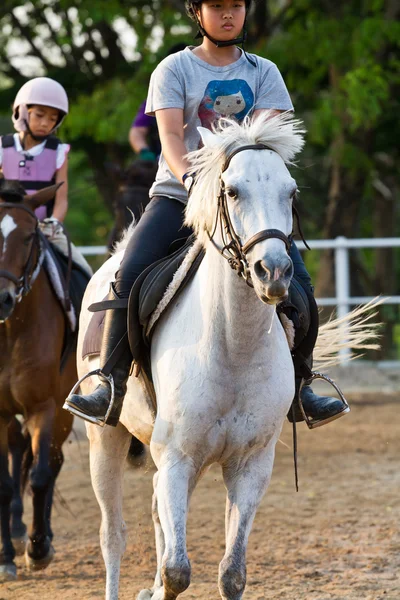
42,196
210,140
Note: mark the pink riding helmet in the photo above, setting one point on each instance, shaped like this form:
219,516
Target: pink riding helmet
40,90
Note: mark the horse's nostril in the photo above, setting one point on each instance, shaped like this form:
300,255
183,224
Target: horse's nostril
261,270
287,268
273,271
6,302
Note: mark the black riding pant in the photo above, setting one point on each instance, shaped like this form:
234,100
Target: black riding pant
160,225
299,267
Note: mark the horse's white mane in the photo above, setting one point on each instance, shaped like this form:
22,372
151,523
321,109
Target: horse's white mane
126,235
281,133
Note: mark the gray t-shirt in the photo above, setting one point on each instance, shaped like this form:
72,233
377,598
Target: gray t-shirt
205,93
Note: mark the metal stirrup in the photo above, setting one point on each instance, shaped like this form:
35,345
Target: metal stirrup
315,375
109,378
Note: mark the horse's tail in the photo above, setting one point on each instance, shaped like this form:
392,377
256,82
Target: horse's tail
27,460
355,332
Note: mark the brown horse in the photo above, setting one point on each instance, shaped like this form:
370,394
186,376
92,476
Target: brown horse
32,328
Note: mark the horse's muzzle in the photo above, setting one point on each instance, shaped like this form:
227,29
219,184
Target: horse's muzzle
7,304
272,277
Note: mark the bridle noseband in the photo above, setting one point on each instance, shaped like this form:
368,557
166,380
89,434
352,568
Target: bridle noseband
31,270
233,250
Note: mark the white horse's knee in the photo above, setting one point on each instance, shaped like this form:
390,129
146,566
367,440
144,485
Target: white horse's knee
232,579
176,575
113,539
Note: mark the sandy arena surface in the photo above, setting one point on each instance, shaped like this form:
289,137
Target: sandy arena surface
338,538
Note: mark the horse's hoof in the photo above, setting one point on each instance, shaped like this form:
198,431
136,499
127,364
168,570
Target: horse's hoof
145,595
38,564
19,544
8,572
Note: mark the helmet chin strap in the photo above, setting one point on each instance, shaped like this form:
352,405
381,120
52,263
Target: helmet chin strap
37,138
226,43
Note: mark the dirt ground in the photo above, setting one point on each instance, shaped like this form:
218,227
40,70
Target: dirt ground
338,538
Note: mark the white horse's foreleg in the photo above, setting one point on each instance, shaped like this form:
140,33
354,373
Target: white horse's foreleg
157,589
108,451
246,483
176,480
159,534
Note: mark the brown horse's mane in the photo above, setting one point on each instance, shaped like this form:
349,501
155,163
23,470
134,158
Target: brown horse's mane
11,191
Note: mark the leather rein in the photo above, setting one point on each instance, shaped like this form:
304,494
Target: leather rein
31,269
233,250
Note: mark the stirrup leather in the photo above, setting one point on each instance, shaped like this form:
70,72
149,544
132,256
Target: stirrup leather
315,375
96,420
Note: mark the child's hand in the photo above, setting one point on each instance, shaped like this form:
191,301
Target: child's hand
50,227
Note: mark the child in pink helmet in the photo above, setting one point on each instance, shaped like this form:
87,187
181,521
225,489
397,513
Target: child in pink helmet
36,158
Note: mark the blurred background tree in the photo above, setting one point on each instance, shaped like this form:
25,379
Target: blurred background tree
340,62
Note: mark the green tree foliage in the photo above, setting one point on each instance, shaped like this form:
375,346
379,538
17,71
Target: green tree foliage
341,64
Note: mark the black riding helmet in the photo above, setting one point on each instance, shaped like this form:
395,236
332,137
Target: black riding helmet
193,5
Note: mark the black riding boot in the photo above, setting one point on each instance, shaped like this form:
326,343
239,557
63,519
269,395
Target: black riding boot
95,406
319,410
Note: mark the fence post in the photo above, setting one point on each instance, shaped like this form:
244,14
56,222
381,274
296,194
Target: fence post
342,284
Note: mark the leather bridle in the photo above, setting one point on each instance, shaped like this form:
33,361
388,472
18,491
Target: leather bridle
233,250
31,269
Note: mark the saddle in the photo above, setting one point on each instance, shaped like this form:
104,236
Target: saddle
150,296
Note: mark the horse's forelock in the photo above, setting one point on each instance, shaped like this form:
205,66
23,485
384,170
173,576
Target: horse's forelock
281,133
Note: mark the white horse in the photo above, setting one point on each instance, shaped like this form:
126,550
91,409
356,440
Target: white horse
221,364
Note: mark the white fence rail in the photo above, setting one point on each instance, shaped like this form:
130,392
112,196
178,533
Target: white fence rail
341,246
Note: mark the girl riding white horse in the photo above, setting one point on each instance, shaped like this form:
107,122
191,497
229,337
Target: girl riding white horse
194,87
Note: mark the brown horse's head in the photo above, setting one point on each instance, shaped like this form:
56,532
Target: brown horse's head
19,242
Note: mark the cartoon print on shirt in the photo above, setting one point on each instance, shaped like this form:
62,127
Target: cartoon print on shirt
232,98
229,105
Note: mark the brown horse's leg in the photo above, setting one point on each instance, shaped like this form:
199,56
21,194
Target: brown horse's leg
62,429
8,568
17,444
39,551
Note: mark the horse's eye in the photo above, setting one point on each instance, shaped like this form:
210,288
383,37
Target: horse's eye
231,192
28,239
